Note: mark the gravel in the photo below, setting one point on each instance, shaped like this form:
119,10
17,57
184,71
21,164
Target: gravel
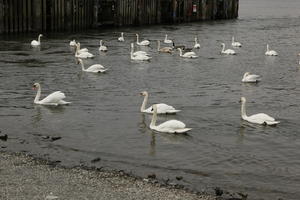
22,177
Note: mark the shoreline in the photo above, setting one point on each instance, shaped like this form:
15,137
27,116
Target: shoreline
26,177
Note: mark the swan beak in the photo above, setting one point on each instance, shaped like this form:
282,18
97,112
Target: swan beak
240,101
141,94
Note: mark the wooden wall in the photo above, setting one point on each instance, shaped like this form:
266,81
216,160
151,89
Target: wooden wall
45,15
71,15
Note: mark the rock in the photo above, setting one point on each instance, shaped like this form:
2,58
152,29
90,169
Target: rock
218,191
179,178
53,138
95,160
153,176
3,147
3,137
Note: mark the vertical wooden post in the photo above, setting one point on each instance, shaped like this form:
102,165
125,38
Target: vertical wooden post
29,17
1,17
25,16
68,15
15,15
20,16
44,14
37,14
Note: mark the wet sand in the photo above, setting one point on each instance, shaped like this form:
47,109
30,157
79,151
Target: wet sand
22,177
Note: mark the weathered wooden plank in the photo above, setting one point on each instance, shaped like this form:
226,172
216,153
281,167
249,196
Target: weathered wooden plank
19,16
29,15
59,17
63,15
5,14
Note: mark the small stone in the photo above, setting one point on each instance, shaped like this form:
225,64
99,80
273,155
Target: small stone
3,137
53,138
153,176
179,178
218,191
95,160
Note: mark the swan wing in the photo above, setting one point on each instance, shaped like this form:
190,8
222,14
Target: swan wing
83,50
163,109
145,42
95,67
35,43
140,53
251,78
260,118
172,125
53,98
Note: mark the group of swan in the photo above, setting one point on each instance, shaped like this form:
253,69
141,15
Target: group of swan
139,56
171,126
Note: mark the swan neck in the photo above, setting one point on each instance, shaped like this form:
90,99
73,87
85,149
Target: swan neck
158,46
232,39
137,38
154,118
82,65
143,107
223,49
268,47
38,95
39,38
180,52
243,110
100,43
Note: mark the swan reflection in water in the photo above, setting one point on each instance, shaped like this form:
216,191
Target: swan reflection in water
46,110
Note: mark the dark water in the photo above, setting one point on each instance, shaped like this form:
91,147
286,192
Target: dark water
104,119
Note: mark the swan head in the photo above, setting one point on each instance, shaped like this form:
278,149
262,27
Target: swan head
243,100
137,35
246,74
144,93
222,44
40,35
35,86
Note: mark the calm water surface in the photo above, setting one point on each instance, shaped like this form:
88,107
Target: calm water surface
104,119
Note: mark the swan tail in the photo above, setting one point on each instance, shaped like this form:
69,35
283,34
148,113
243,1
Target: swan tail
172,111
271,123
62,102
183,130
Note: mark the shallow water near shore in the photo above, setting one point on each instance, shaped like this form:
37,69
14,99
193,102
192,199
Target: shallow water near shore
104,119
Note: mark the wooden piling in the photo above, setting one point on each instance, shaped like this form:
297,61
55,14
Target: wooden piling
1,17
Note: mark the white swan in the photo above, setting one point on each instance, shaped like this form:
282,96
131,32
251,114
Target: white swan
102,47
139,57
121,39
35,43
142,43
164,49
197,45
171,126
235,44
166,40
270,52
227,51
83,54
144,53
162,108
189,54
96,68
260,118
250,78
73,43
54,99
81,50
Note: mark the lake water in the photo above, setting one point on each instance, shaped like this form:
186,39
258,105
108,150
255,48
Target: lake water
104,119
